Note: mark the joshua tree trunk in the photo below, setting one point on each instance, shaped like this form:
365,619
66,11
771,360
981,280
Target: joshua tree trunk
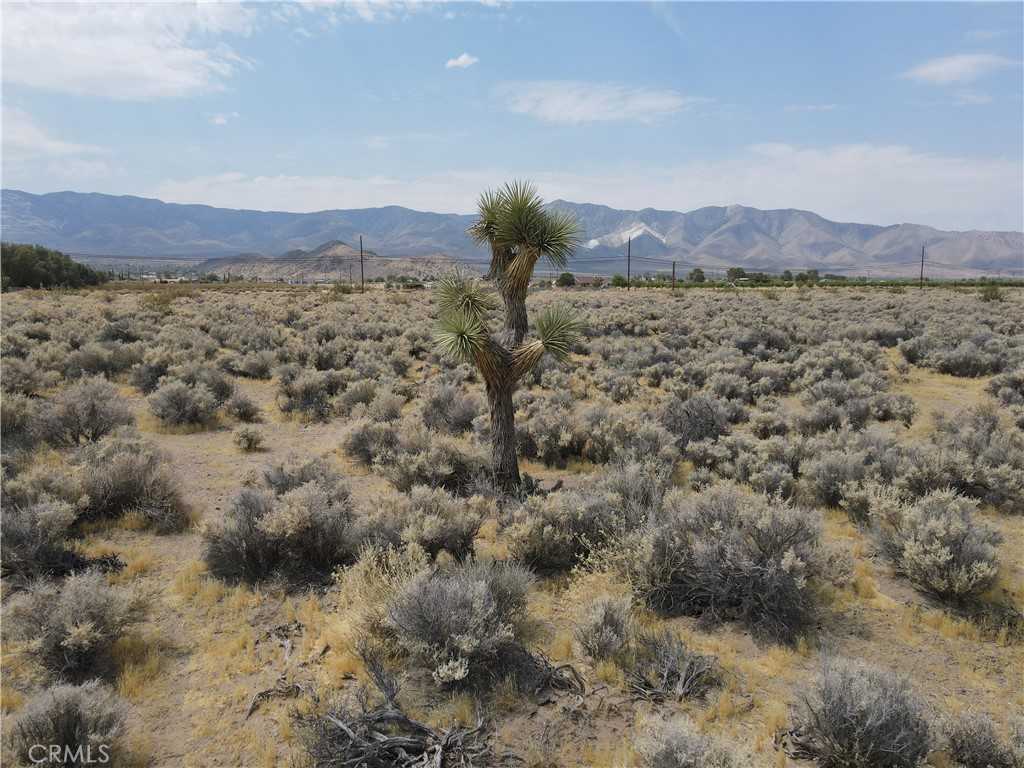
516,323
504,462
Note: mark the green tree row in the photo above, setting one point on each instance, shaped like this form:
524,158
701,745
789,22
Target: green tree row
33,266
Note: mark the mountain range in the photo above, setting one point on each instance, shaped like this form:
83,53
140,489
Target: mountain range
716,236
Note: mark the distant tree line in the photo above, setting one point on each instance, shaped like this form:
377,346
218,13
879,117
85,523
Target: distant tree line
33,266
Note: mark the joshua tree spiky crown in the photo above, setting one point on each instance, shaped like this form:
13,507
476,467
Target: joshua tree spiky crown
465,306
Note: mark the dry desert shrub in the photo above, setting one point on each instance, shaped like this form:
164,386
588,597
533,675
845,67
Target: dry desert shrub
974,743
71,627
465,623
938,544
729,555
124,474
83,412
677,743
859,716
34,539
177,403
85,722
298,528
605,629
248,439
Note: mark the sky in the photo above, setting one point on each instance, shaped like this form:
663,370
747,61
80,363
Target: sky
880,113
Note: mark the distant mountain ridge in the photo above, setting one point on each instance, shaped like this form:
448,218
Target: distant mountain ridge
715,236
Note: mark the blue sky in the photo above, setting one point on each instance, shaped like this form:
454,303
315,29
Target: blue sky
861,112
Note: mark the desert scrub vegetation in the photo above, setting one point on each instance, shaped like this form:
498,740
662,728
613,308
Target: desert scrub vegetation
298,524
973,742
728,555
465,624
84,722
70,627
666,464
938,544
859,716
677,743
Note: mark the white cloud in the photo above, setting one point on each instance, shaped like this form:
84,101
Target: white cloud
462,61
961,68
223,118
811,107
862,183
569,101
126,51
24,139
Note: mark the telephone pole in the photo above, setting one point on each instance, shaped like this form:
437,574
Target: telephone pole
673,277
629,244
921,283
362,286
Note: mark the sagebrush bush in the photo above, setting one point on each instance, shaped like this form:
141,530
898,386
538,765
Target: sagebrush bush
124,474
249,438
176,402
298,529
436,520
463,622
974,743
71,627
18,423
678,744
310,393
422,457
696,418
863,717
1008,387
724,554
448,408
34,539
605,628
85,411
242,408
938,544
85,722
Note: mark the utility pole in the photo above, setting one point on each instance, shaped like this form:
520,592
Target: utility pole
921,284
673,277
629,244
362,286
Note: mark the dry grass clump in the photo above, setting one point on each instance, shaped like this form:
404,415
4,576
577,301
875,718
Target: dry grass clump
862,717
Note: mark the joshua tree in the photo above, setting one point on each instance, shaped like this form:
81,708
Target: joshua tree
519,231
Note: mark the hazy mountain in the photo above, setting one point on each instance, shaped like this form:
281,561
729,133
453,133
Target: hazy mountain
714,236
